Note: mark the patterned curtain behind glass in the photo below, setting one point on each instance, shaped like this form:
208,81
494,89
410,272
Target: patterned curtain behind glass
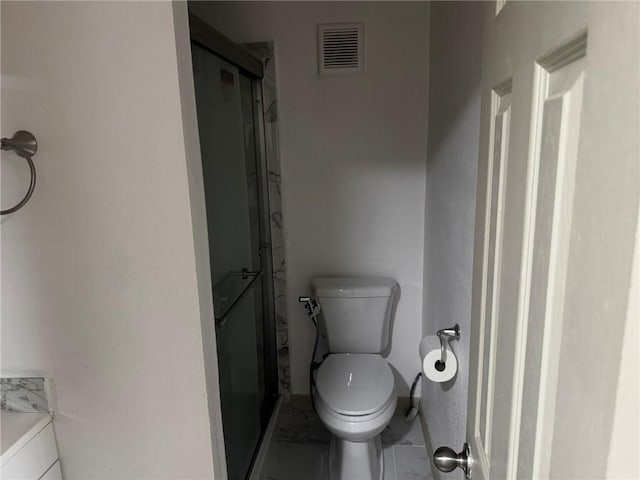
265,51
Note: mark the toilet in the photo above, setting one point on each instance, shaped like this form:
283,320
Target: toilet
355,394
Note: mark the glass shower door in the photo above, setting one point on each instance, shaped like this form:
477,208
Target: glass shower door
231,180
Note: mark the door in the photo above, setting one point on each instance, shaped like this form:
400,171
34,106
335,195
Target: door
232,184
556,218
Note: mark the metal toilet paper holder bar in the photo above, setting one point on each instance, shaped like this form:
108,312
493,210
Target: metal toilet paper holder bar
444,335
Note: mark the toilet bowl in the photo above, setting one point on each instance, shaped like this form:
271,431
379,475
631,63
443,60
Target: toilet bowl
355,398
355,394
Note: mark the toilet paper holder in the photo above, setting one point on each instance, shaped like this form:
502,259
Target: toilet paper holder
444,335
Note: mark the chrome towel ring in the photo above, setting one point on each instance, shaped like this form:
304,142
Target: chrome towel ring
24,144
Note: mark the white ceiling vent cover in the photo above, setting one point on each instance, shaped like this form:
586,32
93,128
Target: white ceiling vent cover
340,48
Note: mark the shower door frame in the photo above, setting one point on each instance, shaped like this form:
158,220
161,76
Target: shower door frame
213,41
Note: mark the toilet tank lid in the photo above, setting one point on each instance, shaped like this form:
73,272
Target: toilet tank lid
354,287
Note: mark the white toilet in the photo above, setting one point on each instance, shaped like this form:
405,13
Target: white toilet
355,395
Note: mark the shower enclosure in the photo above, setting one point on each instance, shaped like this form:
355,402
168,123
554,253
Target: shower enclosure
228,92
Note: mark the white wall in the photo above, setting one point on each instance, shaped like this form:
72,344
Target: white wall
353,154
622,460
454,120
99,287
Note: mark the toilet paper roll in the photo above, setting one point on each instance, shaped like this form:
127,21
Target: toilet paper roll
430,355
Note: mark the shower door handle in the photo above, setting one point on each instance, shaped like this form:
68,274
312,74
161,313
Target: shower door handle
227,293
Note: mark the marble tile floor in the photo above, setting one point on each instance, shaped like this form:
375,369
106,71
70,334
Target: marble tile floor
299,449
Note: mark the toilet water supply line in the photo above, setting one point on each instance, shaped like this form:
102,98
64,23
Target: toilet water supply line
313,310
412,410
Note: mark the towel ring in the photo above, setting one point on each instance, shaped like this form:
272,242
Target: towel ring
23,144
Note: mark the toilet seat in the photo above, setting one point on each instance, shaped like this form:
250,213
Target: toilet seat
355,385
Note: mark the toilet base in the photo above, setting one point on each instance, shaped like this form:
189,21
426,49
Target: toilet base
356,460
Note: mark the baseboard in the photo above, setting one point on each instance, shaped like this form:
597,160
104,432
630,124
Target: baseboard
427,440
403,405
299,402
256,469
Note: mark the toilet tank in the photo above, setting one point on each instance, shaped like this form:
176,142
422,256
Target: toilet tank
356,312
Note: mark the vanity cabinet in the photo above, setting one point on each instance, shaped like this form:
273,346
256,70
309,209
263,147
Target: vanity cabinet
28,446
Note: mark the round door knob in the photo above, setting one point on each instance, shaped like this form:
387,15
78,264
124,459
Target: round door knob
447,460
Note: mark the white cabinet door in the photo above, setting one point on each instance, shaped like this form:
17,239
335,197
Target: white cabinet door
54,473
32,460
556,220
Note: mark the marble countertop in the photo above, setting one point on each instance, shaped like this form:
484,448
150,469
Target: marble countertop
17,428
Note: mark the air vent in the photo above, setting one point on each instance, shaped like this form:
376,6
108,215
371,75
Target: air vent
340,48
